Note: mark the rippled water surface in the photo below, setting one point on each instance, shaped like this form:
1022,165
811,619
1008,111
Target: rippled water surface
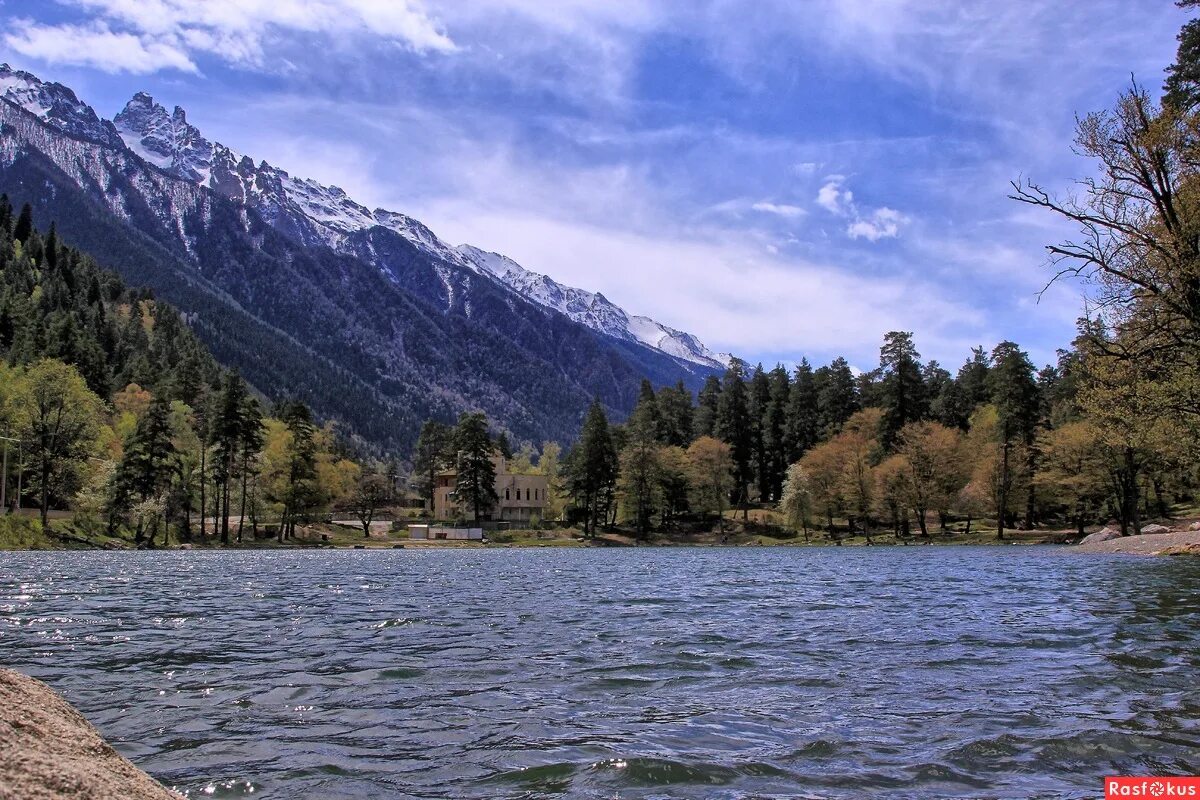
672,673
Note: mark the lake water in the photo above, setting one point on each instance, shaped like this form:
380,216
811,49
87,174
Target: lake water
634,673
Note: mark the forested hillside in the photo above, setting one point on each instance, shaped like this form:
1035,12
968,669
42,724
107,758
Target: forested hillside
111,406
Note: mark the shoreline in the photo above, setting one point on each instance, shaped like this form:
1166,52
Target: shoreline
322,536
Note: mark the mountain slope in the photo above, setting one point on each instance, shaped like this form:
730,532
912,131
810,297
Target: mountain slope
373,326
594,310
318,214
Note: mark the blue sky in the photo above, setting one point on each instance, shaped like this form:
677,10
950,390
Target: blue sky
779,178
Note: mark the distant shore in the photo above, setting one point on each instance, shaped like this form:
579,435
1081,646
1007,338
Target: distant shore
63,535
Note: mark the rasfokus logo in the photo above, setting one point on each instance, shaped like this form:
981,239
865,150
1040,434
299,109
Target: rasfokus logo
1151,787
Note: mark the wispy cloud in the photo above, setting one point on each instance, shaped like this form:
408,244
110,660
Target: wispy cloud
143,36
95,45
779,209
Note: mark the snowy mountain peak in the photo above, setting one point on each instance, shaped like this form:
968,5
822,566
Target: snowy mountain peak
316,214
56,105
165,140
312,211
594,309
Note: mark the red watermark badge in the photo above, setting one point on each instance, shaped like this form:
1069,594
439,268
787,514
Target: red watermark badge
1152,788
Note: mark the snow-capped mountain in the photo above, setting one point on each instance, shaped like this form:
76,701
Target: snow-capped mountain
56,105
327,215
594,309
321,214
366,315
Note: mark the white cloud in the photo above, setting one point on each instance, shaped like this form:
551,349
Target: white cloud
882,223
719,286
95,45
147,35
779,209
833,197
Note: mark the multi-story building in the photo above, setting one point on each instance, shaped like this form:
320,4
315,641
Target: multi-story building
521,497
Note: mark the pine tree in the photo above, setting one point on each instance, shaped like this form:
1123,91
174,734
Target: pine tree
147,463
902,390
24,226
433,452
803,415
1015,396
228,428
475,482
251,437
503,446
775,432
837,396
758,404
639,466
299,493
675,408
707,402
733,427
592,469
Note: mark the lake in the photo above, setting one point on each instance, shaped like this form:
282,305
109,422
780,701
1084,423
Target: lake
630,673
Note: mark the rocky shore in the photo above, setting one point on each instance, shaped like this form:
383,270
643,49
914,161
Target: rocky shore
1154,540
48,751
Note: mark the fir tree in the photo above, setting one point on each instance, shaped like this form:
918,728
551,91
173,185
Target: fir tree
475,483
592,469
803,415
902,390
707,402
733,427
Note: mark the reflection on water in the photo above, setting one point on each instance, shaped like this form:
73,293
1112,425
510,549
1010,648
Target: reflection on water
707,673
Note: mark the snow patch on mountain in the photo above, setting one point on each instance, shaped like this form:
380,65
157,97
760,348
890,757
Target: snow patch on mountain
594,310
56,105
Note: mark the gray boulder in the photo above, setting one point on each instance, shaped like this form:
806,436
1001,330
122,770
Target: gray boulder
1102,535
1156,528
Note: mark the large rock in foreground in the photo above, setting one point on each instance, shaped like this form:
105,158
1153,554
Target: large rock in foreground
48,751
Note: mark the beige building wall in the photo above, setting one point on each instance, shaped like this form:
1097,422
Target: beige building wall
521,497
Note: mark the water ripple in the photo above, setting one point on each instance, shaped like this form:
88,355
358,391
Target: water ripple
706,673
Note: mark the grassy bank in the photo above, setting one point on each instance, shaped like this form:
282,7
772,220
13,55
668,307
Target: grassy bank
763,528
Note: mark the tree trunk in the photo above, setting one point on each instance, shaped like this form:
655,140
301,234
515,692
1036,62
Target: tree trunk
225,510
1002,495
242,504
203,510
922,523
45,493
254,513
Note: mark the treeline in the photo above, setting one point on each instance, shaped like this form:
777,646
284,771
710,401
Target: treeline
110,405
893,448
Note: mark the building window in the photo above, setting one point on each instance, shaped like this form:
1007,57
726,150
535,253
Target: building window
526,494
506,494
